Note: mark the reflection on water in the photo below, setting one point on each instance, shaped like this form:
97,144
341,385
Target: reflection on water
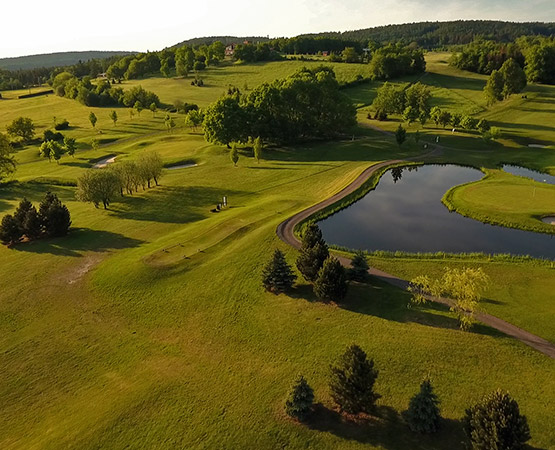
405,213
528,173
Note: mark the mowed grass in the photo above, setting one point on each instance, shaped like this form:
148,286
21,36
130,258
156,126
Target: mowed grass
507,200
147,326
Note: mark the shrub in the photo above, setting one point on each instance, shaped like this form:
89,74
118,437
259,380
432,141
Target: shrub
62,125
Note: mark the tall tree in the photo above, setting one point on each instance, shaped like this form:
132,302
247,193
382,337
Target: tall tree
7,161
93,119
10,230
300,400
70,146
494,87
277,275
331,284
314,251
224,121
114,117
496,423
400,135
513,76
423,415
98,186
352,381
359,267
54,215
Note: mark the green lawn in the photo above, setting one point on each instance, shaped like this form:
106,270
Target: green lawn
147,326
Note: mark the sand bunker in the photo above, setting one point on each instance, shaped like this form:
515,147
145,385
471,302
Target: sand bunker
182,166
104,162
549,220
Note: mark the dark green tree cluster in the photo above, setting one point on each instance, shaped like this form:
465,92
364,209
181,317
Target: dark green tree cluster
316,265
410,100
277,275
51,220
509,79
306,105
7,161
540,58
496,423
102,93
484,57
54,148
101,186
263,51
312,45
395,60
444,118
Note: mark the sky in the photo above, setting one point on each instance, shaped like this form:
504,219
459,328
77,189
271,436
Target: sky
139,25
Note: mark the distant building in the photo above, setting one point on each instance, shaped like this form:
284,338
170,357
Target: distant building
230,49
325,53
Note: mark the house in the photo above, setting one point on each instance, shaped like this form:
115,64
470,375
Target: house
230,49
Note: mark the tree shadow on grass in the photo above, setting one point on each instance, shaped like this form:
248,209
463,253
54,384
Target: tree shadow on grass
171,204
84,165
78,241
385,428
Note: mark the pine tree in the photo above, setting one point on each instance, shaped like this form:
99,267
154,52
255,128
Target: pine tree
331,284
10,230
314,251
32,224
359,267
352,381
423,413
400,135
301,398
496,423
277,275
54,215
21,212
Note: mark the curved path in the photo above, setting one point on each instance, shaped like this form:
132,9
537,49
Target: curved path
285,231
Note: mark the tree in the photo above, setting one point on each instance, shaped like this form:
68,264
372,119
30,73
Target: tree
300,400
234,154
224,121
314,251
257,149
277,275
93,119
513,76
70,146
165,68
169,122
483,126
423,415
98,186
350,55
153,108
469,123
138,107
32,224
331,284
445,118
22,127
10,231
359,267
494,88
194,118
21,211
52,150
7,162
400,135
410,115
150,167
114,117
54,215
435,114
390,99
352,381
496,423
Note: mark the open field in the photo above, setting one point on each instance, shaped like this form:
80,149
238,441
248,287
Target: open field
147,326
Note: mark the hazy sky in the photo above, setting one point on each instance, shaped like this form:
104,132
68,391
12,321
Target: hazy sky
32,27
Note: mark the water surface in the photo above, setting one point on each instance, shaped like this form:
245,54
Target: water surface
528,173
405,213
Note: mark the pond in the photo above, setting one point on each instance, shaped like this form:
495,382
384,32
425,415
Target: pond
405,213
528,173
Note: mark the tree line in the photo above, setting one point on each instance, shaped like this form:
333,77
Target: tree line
101,186
307,104
52,219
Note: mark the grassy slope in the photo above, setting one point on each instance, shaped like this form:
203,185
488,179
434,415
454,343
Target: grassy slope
147,326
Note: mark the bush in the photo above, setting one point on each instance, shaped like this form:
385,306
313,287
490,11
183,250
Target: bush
496,423
352,381
301,398
62,125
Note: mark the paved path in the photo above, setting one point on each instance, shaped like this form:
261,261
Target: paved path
285,231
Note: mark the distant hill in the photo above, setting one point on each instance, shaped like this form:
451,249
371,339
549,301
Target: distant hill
54,59
226,40
437,34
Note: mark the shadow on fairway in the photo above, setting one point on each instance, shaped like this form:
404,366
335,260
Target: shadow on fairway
385,429
172,204
78,241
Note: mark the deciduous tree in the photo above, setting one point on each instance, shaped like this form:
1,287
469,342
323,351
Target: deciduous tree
7,161
23,128
93,119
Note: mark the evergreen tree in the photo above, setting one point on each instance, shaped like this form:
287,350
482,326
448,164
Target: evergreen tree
301,398
314,251
496,423
331,284
234,154
277,275
359,267
32,224
54,215
400,135
21,212
10,231
352,381
423,414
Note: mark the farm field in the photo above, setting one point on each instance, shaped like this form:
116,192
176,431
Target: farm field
147,327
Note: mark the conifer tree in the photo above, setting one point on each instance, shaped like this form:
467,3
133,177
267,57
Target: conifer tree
331,284
10,230
21,212
359,267
32,224
423,414
277,275
400,135
301,398
352,381
93,119
54,215
314,251
496,423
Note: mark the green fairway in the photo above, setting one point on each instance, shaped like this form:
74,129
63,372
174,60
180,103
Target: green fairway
148,327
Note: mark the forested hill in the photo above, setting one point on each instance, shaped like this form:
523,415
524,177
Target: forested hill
226,40
54,59
437,34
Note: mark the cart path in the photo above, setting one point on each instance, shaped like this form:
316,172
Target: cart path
285,232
